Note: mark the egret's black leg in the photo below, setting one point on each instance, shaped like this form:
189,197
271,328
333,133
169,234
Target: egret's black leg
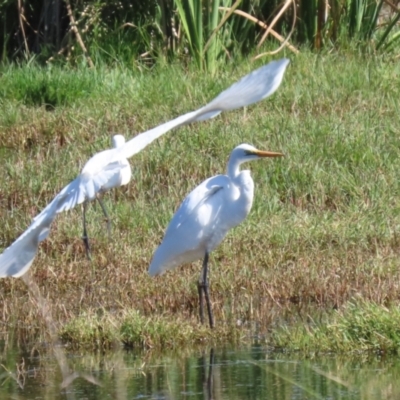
206,292
85,237
108,220
200,290
203,286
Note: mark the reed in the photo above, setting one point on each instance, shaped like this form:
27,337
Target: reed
209,32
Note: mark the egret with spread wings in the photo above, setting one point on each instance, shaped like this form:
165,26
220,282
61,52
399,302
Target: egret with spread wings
204,218
110,168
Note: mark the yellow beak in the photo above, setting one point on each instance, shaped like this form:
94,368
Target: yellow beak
261,153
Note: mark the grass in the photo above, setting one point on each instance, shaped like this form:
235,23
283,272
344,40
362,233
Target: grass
93,331
359,326
324,227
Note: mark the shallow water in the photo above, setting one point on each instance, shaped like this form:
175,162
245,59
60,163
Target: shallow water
251,373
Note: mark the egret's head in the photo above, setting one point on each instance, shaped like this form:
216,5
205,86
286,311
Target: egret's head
246,152
118,141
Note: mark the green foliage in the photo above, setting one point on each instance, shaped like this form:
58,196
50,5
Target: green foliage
90,331
359,326
208,31
320,23
202,22
308,20
94,330
362,17
389,41
162,332
51,86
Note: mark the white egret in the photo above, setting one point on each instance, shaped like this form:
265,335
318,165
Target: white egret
204,218
109,168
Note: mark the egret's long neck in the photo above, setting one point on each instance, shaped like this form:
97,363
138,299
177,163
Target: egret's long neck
243,188
117,141
233,168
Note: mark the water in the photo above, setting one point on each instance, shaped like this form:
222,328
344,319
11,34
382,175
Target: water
251,373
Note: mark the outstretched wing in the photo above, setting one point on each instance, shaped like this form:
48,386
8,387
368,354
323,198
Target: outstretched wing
187,233
252,88
17,258
139,142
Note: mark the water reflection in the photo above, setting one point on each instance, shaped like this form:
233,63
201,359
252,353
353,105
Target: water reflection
208,380
20,373
221,374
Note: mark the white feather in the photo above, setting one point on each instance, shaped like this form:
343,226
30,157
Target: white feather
207,214
17,258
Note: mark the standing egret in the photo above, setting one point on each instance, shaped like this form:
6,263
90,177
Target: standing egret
204,218
103,171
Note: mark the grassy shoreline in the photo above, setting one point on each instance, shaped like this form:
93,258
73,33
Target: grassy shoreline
324,225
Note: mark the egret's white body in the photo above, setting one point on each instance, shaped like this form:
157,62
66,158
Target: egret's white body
110,168
207,214
123,170
95,179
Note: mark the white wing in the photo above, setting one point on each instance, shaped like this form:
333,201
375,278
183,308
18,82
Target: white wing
252,88
18,258
139,142
190,228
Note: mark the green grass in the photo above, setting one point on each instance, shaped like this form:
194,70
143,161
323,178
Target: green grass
359,326
104,330
325,222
